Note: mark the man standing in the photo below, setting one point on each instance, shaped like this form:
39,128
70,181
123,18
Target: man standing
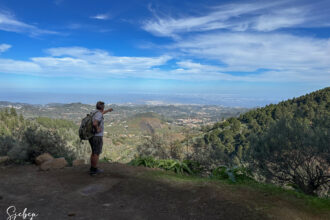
96,141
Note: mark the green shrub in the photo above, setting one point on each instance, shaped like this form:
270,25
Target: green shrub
295,151
143,161
23,140
194,166
47,141
174,165
105,159
166,164
234,174
220,173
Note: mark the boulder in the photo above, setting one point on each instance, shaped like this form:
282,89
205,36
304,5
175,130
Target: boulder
4,159
43,158
56,163
77,163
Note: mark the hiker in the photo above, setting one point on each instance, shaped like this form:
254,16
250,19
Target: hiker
96,141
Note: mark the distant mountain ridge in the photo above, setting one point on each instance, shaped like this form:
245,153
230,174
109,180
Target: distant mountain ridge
75,111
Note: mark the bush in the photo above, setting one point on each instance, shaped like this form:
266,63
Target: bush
22,140
46,141
234,174
296,152
154,147
174,165
194,166
166,164
209,155
19,152
143,161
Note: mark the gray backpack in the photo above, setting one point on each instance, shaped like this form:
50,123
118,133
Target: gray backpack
86,130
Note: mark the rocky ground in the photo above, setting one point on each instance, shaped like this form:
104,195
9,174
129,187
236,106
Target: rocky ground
125,192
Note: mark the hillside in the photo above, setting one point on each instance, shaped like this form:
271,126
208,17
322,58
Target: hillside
270,136
125,192
146,122
23,139
230,139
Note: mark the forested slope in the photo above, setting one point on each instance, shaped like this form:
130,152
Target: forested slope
229,140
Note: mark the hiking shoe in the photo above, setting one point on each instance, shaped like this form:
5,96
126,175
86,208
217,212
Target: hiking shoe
95,172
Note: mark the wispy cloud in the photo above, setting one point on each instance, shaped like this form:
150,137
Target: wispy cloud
260,56
4,47
243,42
259,16
86,63
8,22
101,16
19,67
83,62
251,51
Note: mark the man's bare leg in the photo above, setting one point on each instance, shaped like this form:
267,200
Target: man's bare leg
94,160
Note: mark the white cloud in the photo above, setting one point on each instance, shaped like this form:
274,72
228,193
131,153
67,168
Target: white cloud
82,62
235,53
19,67
4,47
101,17
260,16
252,51
8,22
287,17
242,38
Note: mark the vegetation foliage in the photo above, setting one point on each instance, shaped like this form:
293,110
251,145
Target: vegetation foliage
287,144
295,152
23,140
166,164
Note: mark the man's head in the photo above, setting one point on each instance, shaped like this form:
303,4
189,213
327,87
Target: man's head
100,105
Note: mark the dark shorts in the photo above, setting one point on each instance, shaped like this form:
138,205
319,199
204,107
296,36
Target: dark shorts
96,143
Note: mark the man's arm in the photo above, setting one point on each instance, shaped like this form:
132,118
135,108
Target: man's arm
106,111
96,122
96,126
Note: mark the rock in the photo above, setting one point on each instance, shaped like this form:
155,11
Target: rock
56,163
77,163
4,159
43,158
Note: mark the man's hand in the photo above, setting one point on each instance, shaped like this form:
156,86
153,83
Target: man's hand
106,111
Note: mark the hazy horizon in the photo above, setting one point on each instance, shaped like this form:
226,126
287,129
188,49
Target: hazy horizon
225,100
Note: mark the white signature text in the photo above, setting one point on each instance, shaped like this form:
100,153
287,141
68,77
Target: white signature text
13,214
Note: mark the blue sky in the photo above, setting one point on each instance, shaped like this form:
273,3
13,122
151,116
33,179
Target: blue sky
239,53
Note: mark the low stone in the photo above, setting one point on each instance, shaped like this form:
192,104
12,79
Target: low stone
77,163
3,159
43,158
56,163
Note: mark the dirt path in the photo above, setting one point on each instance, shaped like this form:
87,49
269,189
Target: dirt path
123,192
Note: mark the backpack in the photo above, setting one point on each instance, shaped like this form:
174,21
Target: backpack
86,130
